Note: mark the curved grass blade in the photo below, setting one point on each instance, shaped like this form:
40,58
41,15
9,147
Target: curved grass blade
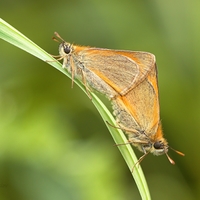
13,36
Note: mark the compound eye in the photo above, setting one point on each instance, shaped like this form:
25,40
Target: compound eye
158,145
66,48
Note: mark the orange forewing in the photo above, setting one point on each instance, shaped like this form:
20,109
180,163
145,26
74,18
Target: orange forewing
111,72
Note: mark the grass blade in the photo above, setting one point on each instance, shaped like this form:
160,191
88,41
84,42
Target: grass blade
13,36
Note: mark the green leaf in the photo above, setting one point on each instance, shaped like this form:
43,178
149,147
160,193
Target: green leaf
13,36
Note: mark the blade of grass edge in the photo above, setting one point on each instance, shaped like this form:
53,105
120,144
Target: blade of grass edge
13,36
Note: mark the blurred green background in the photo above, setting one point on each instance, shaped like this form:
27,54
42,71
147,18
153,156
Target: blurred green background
53,143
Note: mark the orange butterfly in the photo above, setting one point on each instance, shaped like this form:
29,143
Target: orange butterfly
138,114
111,72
